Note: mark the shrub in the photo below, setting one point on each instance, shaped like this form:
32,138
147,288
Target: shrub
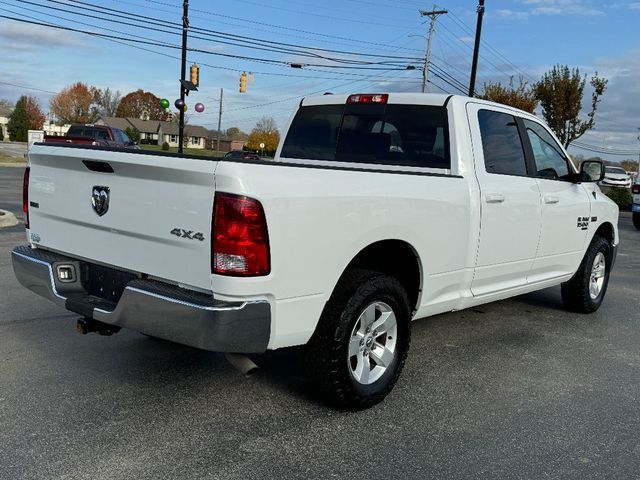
622,197
1,134
165,146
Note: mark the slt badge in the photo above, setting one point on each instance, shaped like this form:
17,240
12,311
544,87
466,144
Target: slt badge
100,199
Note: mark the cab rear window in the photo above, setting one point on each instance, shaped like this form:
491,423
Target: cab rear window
407,135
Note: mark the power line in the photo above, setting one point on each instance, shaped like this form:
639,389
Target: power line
221,37
28,88
255,22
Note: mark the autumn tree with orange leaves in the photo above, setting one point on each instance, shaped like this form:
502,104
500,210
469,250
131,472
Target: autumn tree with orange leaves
141,104
73,104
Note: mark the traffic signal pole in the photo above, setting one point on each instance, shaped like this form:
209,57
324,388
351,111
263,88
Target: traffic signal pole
185,28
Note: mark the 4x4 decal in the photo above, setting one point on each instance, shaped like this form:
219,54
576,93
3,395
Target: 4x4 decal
191,235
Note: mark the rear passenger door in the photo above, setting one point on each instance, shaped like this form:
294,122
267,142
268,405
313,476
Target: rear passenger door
509,202
566,207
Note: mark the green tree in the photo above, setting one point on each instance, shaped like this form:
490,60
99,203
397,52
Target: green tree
134,134
266,131
522,96
560,93
25,116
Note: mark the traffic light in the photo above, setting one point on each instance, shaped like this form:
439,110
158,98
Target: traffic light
243,82
195,74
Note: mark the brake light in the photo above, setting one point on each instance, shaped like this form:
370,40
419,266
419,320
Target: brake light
239,238
368,98
636,188
25,196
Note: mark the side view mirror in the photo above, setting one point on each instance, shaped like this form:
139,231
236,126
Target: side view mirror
591,171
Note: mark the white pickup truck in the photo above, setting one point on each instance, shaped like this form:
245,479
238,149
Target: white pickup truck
377,209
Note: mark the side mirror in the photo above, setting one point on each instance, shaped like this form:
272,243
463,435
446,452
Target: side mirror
591,171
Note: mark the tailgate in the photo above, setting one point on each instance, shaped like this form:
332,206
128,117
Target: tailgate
158,217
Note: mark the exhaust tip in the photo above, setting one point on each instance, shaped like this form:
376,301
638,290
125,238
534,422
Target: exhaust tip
242,363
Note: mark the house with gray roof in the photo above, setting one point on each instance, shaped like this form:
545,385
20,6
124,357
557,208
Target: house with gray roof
157,132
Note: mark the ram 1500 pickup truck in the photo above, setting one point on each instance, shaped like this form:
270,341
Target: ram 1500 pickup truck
376,210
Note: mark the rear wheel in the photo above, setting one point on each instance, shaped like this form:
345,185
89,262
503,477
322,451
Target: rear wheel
636,220
585,291
357,353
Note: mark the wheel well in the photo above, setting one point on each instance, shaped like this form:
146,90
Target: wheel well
606,231
395,258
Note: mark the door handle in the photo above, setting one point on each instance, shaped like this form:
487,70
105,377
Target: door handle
551,199
494,198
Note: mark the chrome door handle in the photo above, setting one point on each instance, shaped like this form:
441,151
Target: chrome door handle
551,199
494,198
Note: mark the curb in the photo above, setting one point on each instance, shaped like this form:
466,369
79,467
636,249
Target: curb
7,219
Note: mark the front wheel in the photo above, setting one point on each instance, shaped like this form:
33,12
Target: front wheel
585,291
357,353
636,220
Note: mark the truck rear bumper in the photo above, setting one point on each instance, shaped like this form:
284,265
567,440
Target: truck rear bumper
155,308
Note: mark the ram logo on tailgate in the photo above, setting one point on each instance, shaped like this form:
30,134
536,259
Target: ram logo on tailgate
100,199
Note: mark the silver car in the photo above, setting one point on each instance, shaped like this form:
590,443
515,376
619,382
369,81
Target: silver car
616,177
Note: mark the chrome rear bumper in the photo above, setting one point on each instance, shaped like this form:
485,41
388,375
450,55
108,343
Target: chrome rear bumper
155,308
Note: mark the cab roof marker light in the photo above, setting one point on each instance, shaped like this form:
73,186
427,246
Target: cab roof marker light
368,98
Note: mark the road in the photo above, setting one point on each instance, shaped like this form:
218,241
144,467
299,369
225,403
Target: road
13,149
518,389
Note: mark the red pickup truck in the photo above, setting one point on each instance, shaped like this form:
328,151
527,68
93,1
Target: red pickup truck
95,135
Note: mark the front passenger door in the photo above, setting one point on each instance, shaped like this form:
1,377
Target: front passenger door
566,207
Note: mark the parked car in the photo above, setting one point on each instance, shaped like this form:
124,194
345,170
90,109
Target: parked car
616,177
635,207
94,135
376,210
241,155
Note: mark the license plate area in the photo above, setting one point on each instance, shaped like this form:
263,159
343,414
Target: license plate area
106,283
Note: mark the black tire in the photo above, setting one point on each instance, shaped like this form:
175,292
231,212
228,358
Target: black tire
328,364
576,295
636,220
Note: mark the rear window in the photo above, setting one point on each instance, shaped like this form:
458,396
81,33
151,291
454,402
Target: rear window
407,135
89,132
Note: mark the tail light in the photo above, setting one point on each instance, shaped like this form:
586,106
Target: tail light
635,188
239,237
25,196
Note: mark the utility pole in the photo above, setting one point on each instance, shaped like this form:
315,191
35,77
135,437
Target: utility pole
476,50
219,123
433,14
185,28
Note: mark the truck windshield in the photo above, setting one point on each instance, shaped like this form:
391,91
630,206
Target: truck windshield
89,132
408,135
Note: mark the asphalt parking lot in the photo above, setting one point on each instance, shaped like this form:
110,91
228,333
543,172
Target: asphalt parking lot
515,389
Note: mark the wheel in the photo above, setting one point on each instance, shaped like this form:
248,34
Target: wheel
355,357
636,220
585,291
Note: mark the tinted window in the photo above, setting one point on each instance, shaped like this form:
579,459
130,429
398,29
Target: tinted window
501,143
90,132
314,133
547,154
616,170
409,135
